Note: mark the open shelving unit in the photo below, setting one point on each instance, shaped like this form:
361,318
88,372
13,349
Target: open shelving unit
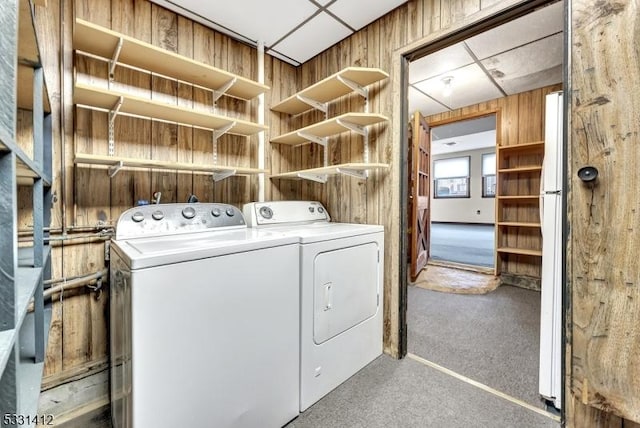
318,96
23,333
121,49
518,232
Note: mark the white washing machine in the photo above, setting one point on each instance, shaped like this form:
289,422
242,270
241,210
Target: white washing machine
204,320
341,274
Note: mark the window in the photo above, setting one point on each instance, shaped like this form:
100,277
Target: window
451,177
489,175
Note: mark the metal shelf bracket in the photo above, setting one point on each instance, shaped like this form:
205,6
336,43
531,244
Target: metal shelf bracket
323,107
112,117
361,90
223,89
113,170
318,178
354,172
221,175
358,129
114,59
323,141
217,133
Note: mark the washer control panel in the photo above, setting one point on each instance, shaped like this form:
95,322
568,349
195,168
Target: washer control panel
168,219
283,212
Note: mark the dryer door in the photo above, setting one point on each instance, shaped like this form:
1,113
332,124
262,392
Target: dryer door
345,289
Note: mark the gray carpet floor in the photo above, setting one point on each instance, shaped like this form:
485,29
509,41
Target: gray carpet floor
470,244
405,393
492,338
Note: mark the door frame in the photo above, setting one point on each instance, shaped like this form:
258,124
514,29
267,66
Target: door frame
470,116
485,19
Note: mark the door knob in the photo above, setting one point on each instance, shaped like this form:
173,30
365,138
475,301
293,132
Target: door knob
588,174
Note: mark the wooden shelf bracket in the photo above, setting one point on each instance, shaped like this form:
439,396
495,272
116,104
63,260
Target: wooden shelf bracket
323,107
223,89
112,117
114,169
114,59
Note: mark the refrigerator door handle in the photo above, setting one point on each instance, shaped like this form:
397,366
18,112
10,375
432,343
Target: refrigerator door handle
541,202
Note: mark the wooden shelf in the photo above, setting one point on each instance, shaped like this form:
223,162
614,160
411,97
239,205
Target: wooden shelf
101,41
101,98
123,162
520,251
320,174
521,169
518,224
327,128
535,146
520,198
329,89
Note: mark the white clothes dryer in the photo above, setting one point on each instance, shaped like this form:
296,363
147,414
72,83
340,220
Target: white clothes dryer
341,279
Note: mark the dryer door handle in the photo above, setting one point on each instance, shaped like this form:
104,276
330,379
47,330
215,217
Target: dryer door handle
328,296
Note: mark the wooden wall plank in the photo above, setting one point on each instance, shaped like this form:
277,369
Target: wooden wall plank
605,276
185,99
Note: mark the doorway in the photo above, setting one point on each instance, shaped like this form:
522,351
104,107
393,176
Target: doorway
493,338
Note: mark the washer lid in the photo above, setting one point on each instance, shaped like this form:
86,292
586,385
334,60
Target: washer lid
143,253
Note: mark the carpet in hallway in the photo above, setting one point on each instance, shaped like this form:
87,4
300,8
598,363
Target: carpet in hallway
405,393
491,338
450,280
471,244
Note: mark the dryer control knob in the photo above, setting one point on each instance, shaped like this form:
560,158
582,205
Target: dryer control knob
157,215
216,212
189,213
321,210
230,212
266,212
312,210
137,216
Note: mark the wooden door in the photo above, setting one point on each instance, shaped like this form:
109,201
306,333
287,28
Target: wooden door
419,193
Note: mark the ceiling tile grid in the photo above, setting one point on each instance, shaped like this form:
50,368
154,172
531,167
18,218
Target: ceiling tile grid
291,30
518,56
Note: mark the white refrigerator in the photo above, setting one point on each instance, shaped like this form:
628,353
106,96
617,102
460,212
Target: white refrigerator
551,209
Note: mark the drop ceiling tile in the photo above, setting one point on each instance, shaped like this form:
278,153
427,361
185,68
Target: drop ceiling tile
312,38
469,86
422,103
439,62
254,19
516,72
476,141
534,26
358,13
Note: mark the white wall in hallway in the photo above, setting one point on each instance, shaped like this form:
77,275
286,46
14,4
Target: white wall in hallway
464,210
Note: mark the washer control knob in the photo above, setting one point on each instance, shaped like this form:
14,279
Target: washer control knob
266,212
312,210
189,213
137,216
230,212
157,215
321,210
216,212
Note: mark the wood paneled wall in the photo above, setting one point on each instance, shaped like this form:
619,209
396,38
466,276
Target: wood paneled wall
521,121
78,335
604,274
